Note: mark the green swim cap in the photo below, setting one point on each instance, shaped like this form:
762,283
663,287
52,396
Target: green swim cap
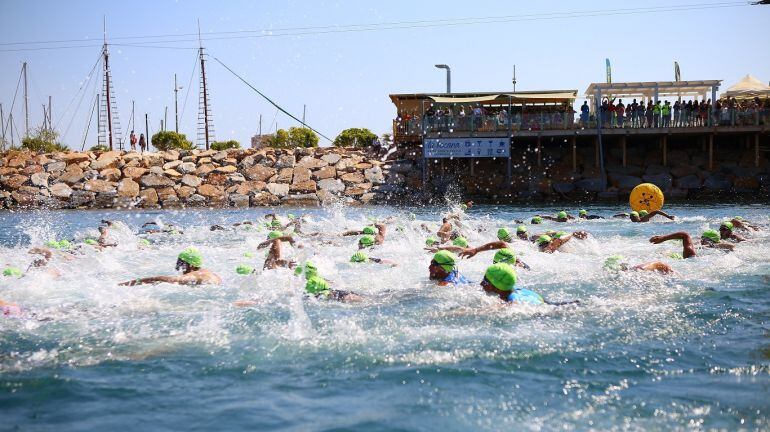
13,272
310,269
430,241
738,218
583,212
643,213
503,234
275,223
272,235
544,240
675,255
90,241
144,242
536,220
359,257
711,234
243,269
366,241
464,206
635,213
192,257
559,234
248,254
447,260
370,230
501,276
505,256
53,244
561,215
316,285
64,244
613,263
728,225
290,216
521,229
460,241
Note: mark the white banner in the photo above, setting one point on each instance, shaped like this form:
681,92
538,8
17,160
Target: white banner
434,148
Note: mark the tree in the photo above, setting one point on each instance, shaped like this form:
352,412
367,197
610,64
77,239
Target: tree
43,140
224,145
355,137
295,137
99,148
170,140
387,139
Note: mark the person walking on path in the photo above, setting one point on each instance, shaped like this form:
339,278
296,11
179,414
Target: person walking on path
132,139
142,143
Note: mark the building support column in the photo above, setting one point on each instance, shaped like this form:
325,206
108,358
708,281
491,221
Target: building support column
473,163
665,150
596,151
711,152
574,153
539,153
756,150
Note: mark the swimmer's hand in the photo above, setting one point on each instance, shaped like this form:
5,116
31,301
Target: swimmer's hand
657,239
582,235
468,252
245,303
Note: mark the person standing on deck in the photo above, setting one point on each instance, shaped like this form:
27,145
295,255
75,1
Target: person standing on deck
142,143
656,115
132,139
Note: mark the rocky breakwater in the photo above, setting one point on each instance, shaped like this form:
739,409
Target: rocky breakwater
198,178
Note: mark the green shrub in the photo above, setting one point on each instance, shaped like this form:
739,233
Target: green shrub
170,140
43,141
295,137
355,137
99,148
224,145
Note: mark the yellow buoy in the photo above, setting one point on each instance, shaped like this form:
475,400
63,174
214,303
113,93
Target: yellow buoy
646,196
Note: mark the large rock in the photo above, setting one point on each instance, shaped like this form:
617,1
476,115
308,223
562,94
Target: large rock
128,188
212,192
307,186
310,199
40,179
134,172
72,175
191,180
204,169
353,178
99,186
229,169
171,202
238,200
656,169
284,176
250,187
262,199
663,181
325,173
4,171
81,198
74,158
17,162
23,199
186,167
310,162
331,158
220,155
148,198
278,189
185,192
61,190
683,170
216,179
15,181
108,159
56,166
301,175
358,189
172,173
331,185
589,184
718,182
688,182
170,155
285,161
172,165
259,173
110,174
561,187
154,180
374,175
165,193
624,182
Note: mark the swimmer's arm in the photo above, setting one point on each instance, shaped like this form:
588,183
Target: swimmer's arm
522,264
655,266
152,280
381,230
470,252
550,218
580,235
723,246
351,233
383,261
46,253
265,243
450,248
688,250
557,243
620,215
737,238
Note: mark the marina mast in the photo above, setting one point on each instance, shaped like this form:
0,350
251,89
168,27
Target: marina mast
205,124
109,125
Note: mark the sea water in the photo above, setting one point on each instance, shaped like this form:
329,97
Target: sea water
642,351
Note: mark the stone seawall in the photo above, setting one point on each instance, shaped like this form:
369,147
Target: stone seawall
233,178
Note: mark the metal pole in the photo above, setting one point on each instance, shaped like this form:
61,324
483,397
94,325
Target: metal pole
2,126
50,116
176,106
304,107
147,130
599,136
10,121
260,125
165,118
26,101
107,94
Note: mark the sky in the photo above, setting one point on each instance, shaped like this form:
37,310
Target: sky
344,77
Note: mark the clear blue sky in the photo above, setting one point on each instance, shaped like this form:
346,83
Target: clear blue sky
345,78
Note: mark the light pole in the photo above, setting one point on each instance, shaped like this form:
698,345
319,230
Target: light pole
448,77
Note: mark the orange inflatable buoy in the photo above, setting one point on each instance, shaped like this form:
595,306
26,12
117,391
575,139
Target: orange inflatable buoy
646,196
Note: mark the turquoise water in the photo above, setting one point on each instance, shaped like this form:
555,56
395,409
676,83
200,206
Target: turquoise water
643,351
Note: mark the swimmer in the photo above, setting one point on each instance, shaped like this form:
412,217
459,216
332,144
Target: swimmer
500,280
372,240
190,262
445,231
504,238
583,214
739,222
536,220
167,229
709,238
562,216
726,232
274,256
616,263
443,269
550,244
361,257
368,230
102,240
643,215
319,287
521,232
45,256
8,309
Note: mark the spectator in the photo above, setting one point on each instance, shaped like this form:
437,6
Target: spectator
676,114
620,111
650,113
132,140
665,111
142,143
584,110
656,114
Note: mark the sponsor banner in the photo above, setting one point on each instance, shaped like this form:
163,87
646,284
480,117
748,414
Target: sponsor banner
434,148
